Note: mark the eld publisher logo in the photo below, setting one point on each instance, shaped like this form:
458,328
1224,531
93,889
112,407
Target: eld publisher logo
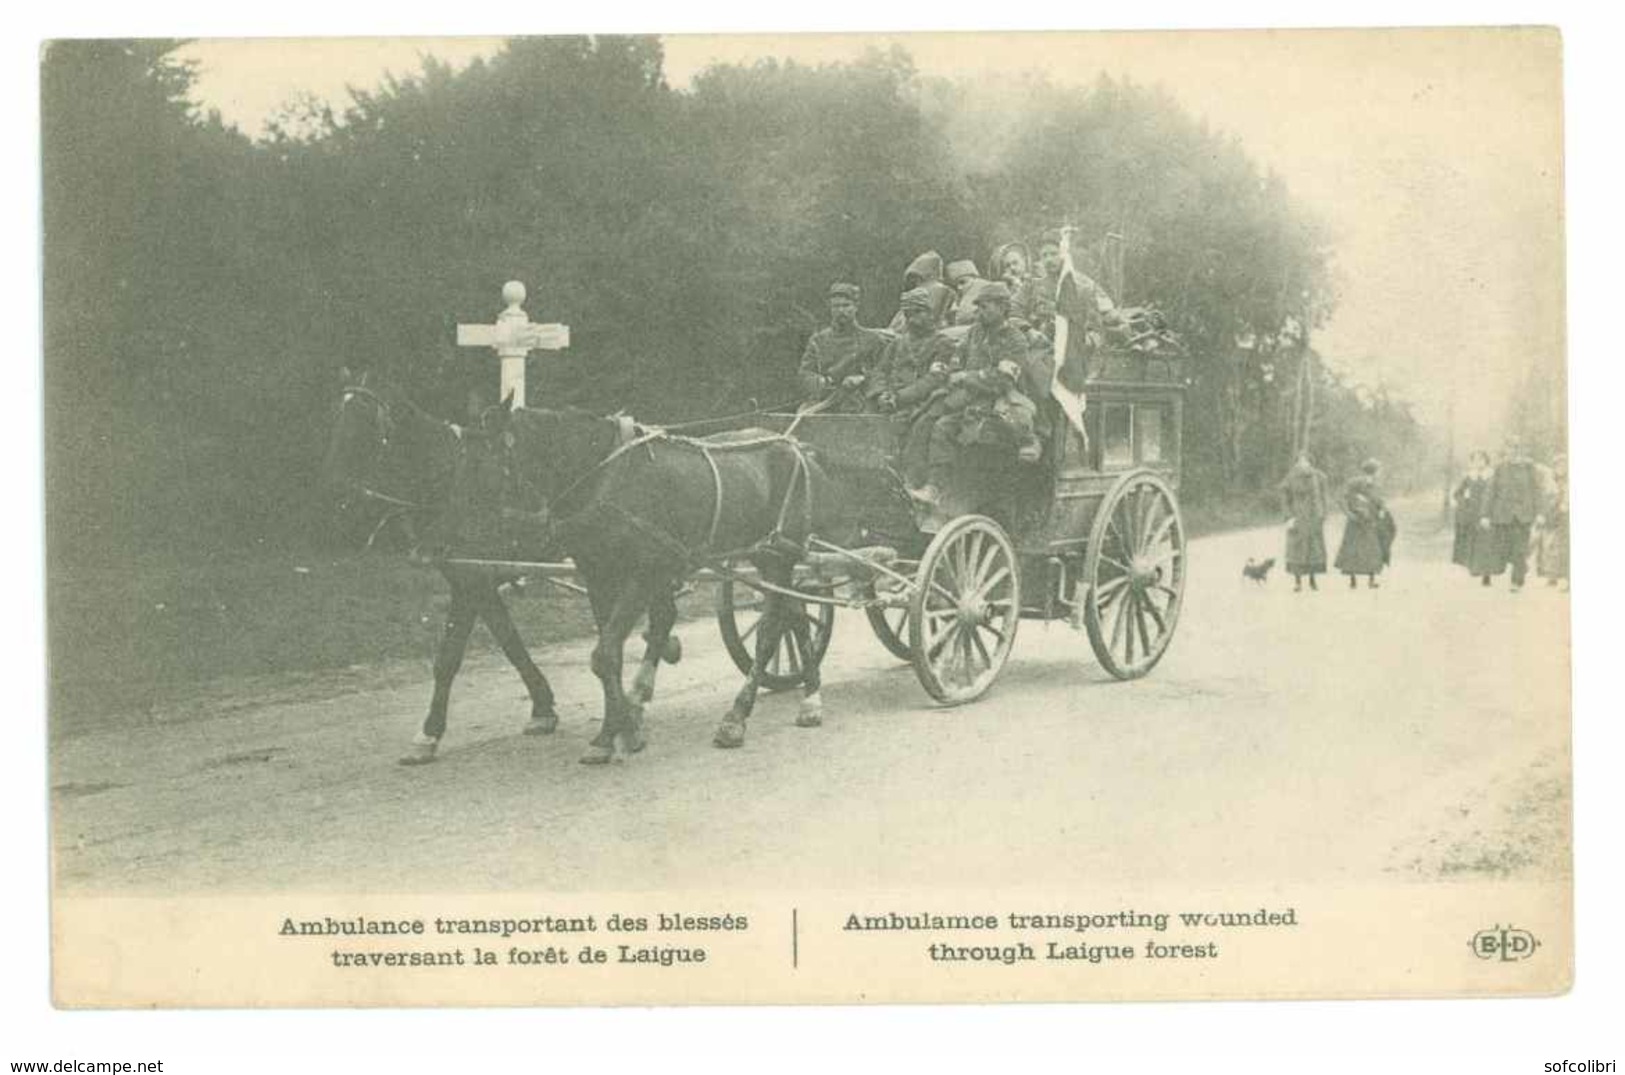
1504,943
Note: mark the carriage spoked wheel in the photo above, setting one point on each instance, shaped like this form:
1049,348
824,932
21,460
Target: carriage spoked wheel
739,615
1135,570
965,608
890,625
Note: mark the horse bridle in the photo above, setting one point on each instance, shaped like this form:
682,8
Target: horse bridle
385,423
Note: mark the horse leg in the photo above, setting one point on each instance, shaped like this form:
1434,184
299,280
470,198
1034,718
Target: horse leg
659,644
731,732
544,717
448,659
607,657
811,712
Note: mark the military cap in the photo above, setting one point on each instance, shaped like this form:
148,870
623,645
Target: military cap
917,299
994,292
845,291
1050,238
958,270
1370,466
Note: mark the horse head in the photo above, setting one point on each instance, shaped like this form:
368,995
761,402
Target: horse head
359,445
520,471
387,457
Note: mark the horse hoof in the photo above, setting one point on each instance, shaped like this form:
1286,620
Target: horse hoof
673,651
730,734
811,713
545,724
419,754
597,755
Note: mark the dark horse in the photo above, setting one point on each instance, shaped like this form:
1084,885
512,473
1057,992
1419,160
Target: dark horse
638,511
387,451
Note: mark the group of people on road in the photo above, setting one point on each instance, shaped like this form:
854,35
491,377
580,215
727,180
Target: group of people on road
1502,510
1368,528
963,361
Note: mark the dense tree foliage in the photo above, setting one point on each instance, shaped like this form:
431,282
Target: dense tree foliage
203,289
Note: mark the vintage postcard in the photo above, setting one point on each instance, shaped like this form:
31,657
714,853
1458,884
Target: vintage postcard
804,518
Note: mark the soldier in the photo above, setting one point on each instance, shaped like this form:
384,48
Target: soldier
925,272
1013,264
915,364
966,279
839,359
1034,302
983,399
913,371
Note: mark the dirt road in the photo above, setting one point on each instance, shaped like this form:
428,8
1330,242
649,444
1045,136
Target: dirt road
1416,731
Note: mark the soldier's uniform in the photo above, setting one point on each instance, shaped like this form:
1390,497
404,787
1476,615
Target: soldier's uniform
834,354
912,368
986,405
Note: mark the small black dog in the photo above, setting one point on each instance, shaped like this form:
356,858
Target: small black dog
1258,572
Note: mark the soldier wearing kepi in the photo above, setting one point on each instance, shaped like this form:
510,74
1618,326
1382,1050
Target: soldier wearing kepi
839,359
913,371
915,364
983,402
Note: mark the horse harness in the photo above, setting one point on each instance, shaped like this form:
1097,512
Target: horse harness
632,437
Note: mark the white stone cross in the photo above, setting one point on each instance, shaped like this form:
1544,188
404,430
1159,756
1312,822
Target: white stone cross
512,338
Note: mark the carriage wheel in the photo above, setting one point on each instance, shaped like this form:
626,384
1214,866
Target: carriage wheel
1135,569
739,615
890,625
965,608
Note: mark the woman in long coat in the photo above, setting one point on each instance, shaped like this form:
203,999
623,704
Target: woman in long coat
1303,492
1476,548
1363,550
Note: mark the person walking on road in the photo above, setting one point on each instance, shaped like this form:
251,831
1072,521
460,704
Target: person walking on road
1303,493
1512,508
1475,549
1367,530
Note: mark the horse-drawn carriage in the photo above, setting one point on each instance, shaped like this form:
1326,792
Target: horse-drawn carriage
793,518
1091,534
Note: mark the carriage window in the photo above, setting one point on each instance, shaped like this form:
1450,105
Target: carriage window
1117,435
1148,428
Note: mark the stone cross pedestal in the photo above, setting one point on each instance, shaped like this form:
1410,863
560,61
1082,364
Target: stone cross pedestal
513,337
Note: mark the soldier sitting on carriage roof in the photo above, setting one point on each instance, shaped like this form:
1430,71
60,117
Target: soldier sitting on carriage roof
839,359
983,403
1034,300
925,273
967,281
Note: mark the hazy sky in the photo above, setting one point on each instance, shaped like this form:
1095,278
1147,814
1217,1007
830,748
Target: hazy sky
1434,156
